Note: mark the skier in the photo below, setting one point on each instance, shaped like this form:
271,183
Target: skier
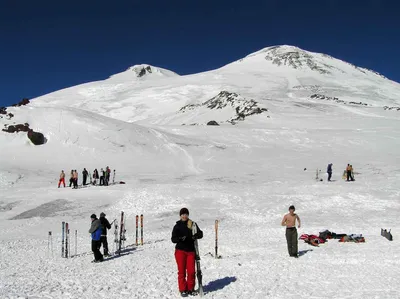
329,171
185,254
96,231
85,174
62,179
71,179
105,225
289,220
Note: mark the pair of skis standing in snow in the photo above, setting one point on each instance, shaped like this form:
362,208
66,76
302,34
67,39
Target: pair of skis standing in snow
185,235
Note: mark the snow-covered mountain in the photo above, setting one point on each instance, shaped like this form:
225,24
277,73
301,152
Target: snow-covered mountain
283,113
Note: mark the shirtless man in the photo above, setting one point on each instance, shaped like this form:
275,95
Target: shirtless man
289,220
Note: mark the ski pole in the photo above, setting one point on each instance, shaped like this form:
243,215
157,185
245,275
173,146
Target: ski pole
51,243
216,239
137,229
48,243
76,242
141,229
62,238
66,240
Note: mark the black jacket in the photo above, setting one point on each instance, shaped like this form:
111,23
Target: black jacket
183,238
106,225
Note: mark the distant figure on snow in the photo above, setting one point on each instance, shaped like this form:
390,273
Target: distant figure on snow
185,253
71,179
289,220
102,177
96,231
95,176
105,225
108,175
349,170
75,179
329,171
84,174
62,179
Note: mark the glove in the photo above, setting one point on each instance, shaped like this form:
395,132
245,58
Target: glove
195,236
182,238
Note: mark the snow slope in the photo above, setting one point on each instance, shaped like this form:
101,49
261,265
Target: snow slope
246,175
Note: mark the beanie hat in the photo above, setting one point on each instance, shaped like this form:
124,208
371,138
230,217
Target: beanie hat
93,216
102,214
183,211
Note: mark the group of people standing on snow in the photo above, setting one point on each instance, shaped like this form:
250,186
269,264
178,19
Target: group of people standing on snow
347,173
104,177
184,238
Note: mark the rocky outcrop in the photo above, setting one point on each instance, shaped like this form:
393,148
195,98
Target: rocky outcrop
335,99
37,138
23,102
241,107
297,59
16,128
144,71
391,108
3,111
212,123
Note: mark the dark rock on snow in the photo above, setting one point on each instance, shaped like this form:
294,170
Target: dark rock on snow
212,123
37,138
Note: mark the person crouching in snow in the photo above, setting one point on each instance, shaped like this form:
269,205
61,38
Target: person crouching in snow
185,253
96,229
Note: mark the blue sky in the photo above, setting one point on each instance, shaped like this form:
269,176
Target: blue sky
50,45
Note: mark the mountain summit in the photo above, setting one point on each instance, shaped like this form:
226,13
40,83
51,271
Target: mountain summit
299,59
144,71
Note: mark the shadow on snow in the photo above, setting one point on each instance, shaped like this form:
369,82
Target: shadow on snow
219,284
303,252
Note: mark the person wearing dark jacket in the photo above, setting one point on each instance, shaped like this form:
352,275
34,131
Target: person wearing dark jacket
105,225
329,171
85,175
185,254
96,230
95,176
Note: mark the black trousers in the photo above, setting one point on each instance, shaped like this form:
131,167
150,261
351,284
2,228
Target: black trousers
84,180
103,241
96,250
349,176
71,181
329,176
291,238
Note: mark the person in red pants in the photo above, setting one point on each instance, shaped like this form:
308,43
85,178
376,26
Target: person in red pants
62,179
185,254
